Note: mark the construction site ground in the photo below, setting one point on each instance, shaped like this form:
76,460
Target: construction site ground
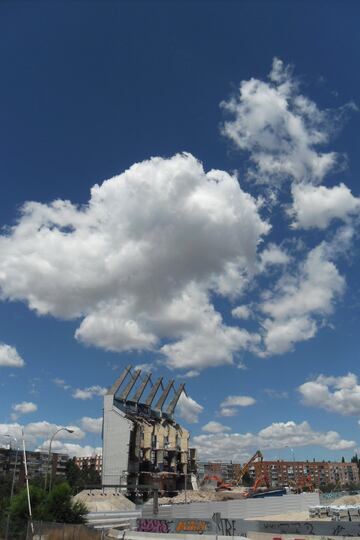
204,496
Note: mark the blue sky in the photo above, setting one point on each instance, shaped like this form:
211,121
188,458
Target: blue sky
229,261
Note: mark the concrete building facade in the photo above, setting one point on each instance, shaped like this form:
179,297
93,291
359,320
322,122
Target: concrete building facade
143,445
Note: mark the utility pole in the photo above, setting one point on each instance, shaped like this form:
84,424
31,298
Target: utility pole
27,483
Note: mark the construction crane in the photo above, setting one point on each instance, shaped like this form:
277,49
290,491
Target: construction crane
245,468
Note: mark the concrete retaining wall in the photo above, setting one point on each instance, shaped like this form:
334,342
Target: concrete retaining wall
241,508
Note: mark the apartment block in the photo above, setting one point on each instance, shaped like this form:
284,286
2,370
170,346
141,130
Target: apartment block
287,473
227,471
37,463
89,462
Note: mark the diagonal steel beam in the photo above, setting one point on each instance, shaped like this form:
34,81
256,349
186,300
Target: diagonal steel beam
139,392
152,392
126,392
164,395
175,399
115,387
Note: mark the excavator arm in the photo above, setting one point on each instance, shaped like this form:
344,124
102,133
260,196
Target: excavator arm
245,468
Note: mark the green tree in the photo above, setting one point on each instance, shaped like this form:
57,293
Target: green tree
54,506
79,479
19,511
59,507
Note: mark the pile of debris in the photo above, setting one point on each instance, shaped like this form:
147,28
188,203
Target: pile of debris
202,496
104,500
343,512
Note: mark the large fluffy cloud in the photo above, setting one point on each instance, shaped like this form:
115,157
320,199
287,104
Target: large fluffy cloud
39,430
9,357
282,130
238,446
299,299
335,394
71,449
140,261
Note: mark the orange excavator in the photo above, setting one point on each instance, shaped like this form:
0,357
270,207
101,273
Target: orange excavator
220,484
257,456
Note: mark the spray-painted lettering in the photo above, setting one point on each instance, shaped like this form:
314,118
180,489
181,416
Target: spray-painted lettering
153,525
191,525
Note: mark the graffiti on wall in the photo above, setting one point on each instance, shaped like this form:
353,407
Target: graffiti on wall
191,525
153,525
224,526
199,526
239,527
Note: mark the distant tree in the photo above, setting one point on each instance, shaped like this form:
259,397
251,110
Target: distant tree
79,479
343,460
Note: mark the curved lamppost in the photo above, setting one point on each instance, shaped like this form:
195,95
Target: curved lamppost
49,455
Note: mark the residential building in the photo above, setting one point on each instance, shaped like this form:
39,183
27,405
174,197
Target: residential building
226,471
287,473
90,462
37,464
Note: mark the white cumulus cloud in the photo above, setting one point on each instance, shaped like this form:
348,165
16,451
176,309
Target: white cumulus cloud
228,407
241,312
93,425
282,130
9,357
71,449
335,394
25,407
239,446
188,409
34,431
215,427
89,392
139,263
317,206
299,299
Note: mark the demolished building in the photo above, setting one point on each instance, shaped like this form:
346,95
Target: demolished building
143,445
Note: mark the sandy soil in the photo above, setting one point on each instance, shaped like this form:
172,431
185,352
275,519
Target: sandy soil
95,501
348,499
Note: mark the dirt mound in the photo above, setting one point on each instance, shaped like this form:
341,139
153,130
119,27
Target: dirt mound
347,499
107,500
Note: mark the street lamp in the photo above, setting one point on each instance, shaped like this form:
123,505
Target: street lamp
49,454
292,452
12,483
